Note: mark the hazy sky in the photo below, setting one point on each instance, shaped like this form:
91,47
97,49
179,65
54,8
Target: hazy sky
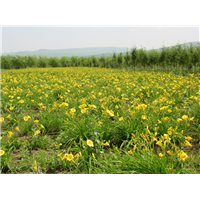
34,38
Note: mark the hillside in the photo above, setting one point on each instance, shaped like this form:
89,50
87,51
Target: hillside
86,52
187,44
97,51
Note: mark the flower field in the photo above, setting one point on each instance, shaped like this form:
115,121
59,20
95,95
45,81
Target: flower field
94,120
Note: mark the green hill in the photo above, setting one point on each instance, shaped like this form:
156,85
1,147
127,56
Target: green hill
86,52
71,52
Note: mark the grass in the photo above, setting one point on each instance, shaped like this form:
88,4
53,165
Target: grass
92,120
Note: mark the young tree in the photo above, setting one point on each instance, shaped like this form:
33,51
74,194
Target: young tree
82,61
195,55
183,56
74,61
114,61
65,61
102,61
19,62
174,59
54,62
95,61
163,57
32,61
134,56
127,59
120,60
6,62
153,58
43,61
142,57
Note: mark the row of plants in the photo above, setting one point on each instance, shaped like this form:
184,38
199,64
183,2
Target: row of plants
167,58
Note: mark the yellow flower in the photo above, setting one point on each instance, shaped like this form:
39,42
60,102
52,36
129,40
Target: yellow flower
166,136
159,143
130,152
169,132
0,137
82,106
2,119
69,157
77,155
169,152
170,129
93,155
41,126
17,128
121,119
9,117
64,157
183,156
90,143
188,138
187,144
26,118
9,134
110,112
191,119
73,110
185,117
35,168
11,108
100,123
36,133
66,113
165,118
159,122
1,152
144,117
106,144
161,155
59,155
36,121
179,120
84,110
134,148
20,101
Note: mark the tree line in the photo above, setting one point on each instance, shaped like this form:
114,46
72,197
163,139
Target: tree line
167,58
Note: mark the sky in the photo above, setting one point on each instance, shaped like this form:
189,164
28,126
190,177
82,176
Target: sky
16,38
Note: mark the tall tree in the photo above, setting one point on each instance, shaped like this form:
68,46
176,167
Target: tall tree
134,55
